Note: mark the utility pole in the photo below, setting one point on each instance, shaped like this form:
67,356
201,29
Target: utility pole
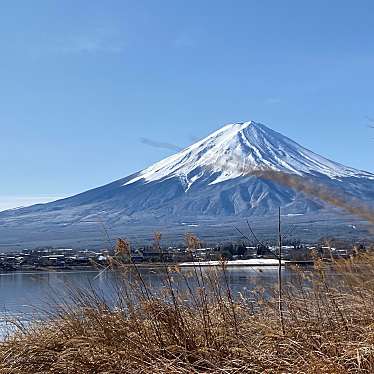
280,299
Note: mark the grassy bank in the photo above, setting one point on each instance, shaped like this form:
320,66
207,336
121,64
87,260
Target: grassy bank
195,325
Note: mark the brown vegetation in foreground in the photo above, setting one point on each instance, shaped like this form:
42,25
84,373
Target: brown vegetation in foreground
194,325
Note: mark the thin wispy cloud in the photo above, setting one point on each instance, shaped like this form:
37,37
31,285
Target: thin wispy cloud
185,40
99,41
273,100
193,138
370,121
89,44
13,202
163,145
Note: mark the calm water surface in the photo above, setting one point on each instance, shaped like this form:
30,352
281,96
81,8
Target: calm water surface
24,294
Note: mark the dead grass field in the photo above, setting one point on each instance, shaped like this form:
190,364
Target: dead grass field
329,327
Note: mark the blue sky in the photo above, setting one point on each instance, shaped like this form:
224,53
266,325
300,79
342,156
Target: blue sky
82,82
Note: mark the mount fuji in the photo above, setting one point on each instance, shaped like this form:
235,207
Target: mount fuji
205,181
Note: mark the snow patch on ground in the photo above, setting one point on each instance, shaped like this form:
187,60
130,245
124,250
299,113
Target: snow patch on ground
250,262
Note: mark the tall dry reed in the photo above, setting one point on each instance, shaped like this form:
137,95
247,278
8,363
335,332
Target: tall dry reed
194,324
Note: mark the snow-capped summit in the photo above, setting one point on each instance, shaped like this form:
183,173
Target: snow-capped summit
236,148
209,180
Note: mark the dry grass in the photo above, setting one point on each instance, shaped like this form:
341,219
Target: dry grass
194,325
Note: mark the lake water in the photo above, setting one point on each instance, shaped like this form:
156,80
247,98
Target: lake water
25,294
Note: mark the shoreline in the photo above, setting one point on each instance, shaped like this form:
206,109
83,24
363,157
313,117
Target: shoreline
235,263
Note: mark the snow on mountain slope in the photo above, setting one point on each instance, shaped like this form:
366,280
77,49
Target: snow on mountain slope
249,144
